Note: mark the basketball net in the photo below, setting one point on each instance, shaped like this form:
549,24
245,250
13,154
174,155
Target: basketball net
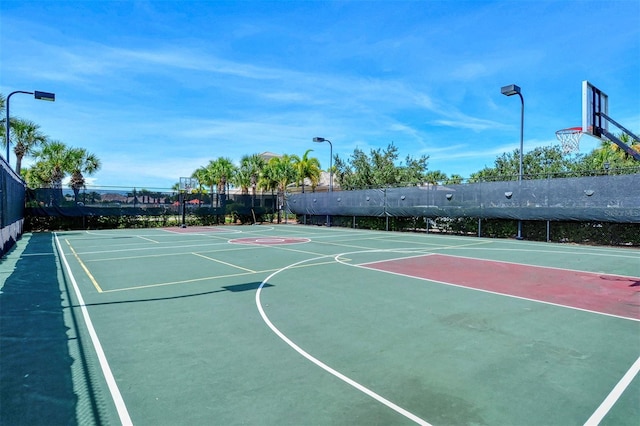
570,139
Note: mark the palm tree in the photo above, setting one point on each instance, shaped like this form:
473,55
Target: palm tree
54,157
37,176
218,172
435,177
205,177
454,179
200,175
242,179
307,168
253,165
81,162
26,136
55,161
278,174
222,170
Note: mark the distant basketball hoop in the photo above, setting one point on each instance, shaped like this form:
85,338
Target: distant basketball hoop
570,139
187,184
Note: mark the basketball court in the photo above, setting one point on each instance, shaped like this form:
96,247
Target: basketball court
308,325
295,324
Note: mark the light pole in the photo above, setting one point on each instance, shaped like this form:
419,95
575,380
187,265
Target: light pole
511,90
43,96
320,140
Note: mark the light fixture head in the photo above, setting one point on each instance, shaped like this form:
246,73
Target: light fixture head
316,139
510,90
44,96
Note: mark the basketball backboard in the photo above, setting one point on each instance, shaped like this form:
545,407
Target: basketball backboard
188,184
594,102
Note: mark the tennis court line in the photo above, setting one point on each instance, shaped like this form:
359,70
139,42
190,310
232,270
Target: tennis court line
146,247
345,245
147,239
121,408
171,254
614,395
321,364
215,277
224,263
86,270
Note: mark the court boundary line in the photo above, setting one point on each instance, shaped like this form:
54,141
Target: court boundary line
614,395
321,364
118,401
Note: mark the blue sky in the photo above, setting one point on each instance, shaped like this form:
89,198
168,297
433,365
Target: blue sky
156,89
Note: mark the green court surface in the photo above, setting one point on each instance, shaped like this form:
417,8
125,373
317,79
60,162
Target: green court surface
302,325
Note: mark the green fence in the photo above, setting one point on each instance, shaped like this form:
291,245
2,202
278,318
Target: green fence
12,198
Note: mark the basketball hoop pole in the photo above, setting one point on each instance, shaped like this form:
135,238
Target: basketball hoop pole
184,209
185,186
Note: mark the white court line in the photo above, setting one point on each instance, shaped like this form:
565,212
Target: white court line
222,262
147,239
322,365
125,419
614,395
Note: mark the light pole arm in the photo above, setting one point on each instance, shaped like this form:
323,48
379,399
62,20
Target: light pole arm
45,96
320,140
521,136
7,125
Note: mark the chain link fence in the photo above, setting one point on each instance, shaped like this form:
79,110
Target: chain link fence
104,208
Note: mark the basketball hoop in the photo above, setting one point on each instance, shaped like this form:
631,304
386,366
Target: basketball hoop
187,184
570,139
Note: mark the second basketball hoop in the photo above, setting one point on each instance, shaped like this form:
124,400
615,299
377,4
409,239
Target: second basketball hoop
570,139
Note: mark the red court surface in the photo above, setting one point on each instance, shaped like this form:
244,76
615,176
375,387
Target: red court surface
603,293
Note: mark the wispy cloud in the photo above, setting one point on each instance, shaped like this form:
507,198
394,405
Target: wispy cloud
160,91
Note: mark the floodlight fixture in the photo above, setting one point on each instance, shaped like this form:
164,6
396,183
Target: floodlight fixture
44,96
510,90
320,140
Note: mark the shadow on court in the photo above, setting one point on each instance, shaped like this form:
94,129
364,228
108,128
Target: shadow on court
37,386
35,341
228,288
